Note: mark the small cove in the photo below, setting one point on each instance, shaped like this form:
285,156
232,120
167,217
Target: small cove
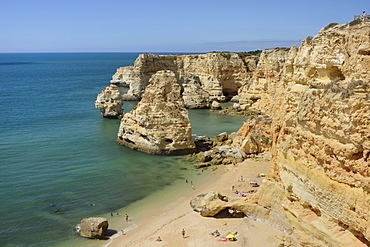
56,149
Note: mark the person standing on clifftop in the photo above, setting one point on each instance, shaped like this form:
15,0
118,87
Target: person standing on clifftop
364,16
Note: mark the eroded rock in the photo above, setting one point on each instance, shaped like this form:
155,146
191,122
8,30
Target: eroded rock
93,227
159,124
110,102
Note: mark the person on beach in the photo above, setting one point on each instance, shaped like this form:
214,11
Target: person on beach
126,217
159,239
183,233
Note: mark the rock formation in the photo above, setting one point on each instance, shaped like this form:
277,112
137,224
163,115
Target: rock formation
159,124
122,76
318,98
213,202
93,227
110,102
193,94
220,75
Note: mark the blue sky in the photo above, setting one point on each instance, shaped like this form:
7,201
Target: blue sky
164,25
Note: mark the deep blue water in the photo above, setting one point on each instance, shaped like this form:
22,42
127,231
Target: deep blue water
56,149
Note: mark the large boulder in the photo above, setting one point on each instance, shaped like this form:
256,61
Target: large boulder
159,124
110,102
93,227
211,203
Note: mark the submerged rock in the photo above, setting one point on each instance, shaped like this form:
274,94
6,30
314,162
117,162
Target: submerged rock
159,124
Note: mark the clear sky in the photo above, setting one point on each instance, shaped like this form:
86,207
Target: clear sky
165,25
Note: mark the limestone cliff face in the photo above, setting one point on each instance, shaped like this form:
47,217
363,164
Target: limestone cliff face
110,102
122,76
220,75
266,77
159,124
319,183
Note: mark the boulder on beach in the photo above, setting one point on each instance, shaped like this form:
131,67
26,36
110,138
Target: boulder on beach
93,227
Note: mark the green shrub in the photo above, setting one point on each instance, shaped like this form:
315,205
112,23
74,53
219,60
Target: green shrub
250,53
355,22
333,24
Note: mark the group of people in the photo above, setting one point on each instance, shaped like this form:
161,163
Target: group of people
229,236
126,216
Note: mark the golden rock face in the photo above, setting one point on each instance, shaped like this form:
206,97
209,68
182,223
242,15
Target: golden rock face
319,103
159,124
219,75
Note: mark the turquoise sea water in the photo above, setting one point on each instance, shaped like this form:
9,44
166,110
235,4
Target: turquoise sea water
56,149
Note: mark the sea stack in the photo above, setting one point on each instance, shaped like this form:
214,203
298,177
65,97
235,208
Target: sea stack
159,124
110,102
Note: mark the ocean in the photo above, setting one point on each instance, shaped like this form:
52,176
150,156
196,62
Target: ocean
59,162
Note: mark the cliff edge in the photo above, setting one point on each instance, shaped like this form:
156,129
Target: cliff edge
318,98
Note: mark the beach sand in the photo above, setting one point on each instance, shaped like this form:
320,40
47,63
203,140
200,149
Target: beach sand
179,215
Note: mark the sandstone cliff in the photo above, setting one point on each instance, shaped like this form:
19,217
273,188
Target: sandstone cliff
318,98
159,124
220,75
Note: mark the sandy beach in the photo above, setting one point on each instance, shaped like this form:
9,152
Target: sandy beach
177,216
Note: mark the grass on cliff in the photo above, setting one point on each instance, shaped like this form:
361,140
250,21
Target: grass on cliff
333,24
355,22
227,54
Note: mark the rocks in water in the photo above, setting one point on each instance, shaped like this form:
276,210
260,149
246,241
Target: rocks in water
159,124
93,227
220,74
110,102
216,105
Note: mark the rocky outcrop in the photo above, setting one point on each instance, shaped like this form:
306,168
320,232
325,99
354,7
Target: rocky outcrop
254,136
212,203
159,124
123,76
220,75
193,94
93,227
261,87
318,186
110,102
318,99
